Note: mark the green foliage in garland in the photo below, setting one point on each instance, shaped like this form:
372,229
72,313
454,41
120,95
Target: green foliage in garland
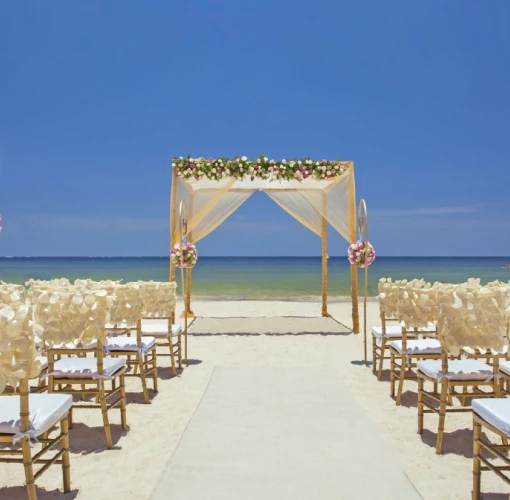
261,168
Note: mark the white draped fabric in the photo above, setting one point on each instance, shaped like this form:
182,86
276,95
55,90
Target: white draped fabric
210,202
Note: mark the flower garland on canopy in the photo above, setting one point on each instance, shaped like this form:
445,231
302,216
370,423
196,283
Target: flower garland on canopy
261,168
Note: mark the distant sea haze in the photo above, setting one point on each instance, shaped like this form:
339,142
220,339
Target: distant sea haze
282,278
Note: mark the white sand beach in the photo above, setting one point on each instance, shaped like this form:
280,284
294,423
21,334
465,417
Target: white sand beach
133,468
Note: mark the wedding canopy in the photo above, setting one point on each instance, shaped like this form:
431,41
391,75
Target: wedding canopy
313,192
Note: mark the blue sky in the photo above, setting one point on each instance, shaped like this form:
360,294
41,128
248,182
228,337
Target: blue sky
96,97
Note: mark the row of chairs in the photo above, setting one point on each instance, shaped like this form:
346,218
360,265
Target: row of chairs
454,340
67,346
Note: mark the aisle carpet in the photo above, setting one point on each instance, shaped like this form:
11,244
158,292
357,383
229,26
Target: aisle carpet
270,433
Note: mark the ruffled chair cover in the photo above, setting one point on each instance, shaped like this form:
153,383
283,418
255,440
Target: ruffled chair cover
72,315
17,344
475,317
159,298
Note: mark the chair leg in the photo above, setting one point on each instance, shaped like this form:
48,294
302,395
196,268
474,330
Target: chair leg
179,351
402,374
442,415
374,354
420,404
143,378
29,470
104,411
154,362
392,375
123,402
66,465
381,358
172,356
477,432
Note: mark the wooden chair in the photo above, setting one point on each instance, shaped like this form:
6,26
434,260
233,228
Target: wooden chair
139,351
27,418
491,415
73,329
416,309
160,301
383,335
467,318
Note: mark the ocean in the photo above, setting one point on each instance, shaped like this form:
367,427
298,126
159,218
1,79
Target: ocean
258,278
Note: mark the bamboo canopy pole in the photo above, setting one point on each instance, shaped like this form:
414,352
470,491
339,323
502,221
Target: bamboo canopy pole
189,312
324,234
352,235
173,227
183,229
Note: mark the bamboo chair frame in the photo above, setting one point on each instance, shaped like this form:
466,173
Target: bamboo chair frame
407,361
175,348
379,351
496,450
61,457
144,365
65,385
444,399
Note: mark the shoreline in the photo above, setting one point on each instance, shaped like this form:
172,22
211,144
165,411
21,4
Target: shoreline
305,298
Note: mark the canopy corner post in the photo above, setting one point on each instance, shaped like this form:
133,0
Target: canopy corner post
324,236
189,312
352,234
173,217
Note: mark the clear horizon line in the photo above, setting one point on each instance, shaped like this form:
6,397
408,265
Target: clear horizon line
246,256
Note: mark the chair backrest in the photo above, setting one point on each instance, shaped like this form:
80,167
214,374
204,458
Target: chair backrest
159,298
473,316
17,344
71,318
72,315
128,307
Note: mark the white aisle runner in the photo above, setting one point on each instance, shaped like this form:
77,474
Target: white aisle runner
281,434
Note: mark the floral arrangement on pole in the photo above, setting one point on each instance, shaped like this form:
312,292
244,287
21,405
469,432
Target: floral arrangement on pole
187,258
261,168
361,254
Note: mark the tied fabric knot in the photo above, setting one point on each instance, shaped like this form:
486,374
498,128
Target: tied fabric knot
30,434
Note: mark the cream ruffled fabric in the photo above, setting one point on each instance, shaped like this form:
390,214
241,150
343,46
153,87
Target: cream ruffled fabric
475,317
17,344
72,315
159,298
128,306
11,293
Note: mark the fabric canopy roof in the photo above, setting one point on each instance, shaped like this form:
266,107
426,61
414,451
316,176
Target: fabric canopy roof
310,201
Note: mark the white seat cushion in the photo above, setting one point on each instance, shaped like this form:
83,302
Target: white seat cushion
504,366
44,362
45,411
75,367
160,329
494,411
458,369
393,331
423,346
129,343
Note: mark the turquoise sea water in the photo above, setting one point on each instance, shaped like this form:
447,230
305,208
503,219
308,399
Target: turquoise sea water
258,277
